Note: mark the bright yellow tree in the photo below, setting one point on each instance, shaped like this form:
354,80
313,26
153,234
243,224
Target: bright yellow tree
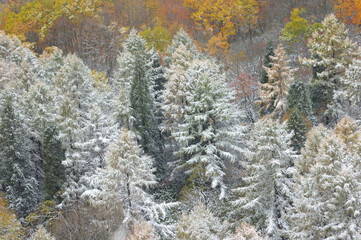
10,227
158,37
222,19
39,15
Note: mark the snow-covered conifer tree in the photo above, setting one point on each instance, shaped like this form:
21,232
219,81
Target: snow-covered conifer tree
182,38
351,82
273,94
73,94
122,110
211,133
156,76
177,89
124,180
53,154
135,80
348,95
267,62
334,50
50,63
17,170
142,105
75,97
267,194
37,107
299,96
296,124
199,224
327,199
332,53
304,164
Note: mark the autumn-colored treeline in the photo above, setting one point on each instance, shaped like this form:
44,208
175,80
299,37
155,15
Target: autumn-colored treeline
349,11
93,29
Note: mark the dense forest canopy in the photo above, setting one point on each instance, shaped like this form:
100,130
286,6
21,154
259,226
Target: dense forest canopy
180,119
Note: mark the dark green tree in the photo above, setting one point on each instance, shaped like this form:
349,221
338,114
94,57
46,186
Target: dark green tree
267,62
299,96
16,169
317,68
297,124
143,110
157,80
321,95
53,155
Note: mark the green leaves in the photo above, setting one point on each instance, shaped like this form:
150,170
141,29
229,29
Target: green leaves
298,29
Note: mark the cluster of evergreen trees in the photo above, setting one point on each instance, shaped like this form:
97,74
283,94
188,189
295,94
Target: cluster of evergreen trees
157,144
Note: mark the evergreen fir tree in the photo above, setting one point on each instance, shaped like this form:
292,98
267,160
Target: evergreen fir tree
310,150
322,94
136,80
317,67
17,170
332,52
51,62
267,62
181,38
351,82
267,194
328,197
177,89
273,94
296,124
143,109
156,75
331,49
53,155
127,173
75,97
299,97
210,133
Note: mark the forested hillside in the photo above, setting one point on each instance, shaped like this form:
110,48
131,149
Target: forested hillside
180,119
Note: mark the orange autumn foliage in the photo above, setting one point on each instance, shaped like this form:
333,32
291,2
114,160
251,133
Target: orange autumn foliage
222,19
349,11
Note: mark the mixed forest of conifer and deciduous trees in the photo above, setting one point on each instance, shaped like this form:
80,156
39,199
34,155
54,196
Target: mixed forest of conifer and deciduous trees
186,120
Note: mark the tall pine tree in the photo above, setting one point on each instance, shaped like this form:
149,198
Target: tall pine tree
273,94
177,89
327,198
142,104
264,199
296,124
332,51
17,170
127,174
211,132
53,155
299,97
267,62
